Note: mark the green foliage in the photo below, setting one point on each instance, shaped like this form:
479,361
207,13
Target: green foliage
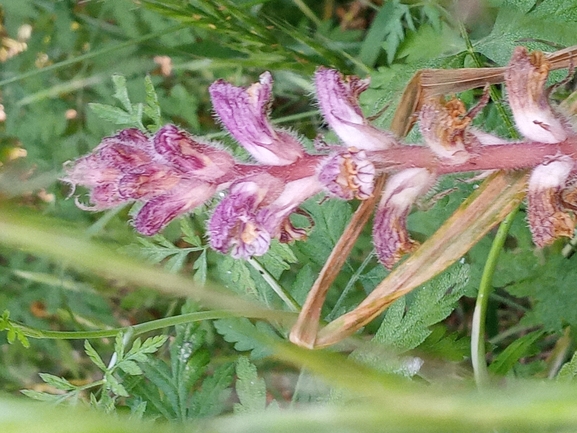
91,68
13,333
251,389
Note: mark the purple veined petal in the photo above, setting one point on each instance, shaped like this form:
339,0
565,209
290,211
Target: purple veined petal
390,234
89,171
338,100
233,226
147,182
113,153
244,112
133,137
545,211
103,196
525,78
348,175
186,154
275,217
158,212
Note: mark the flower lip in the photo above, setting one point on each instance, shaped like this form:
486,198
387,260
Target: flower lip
390,234
525,78
244,112
338,98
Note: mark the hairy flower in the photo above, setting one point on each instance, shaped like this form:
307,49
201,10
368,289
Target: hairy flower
338,98
244,112
546,215
256,210
348,175
390,234
170,174
445,128
528,97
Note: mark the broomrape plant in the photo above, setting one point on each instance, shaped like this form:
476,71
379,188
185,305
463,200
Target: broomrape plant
172,172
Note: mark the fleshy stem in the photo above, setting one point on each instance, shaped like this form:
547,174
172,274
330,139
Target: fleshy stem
479,316
136,330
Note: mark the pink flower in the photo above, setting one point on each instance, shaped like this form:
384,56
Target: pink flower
348,175
171,173
545,211
244,112
525,78
338,98
257,210
390,234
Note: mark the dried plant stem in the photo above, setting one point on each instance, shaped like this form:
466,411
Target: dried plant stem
494,200
480,314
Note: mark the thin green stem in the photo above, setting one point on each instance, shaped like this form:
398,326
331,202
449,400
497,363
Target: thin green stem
277,288
136,330
92,54
495,97
480,313
350,285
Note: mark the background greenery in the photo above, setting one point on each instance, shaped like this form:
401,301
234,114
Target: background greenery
163,328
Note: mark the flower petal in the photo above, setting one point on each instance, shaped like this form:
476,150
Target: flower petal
244,112
338,100
189,156
159,211
545,212
348,175
390,234
525,78
444,125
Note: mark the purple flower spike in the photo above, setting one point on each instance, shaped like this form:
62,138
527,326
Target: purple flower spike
338,98
102,170
244,112
390,234
170,173
348,175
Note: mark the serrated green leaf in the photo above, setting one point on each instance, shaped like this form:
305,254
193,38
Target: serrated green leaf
114,385
41,396
130,367
121,92
515,351
406,325
277,259
236,276
57,382
119,343
201,267
211,399
251,389
244,335
93,355
112,114
569,370
152,108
